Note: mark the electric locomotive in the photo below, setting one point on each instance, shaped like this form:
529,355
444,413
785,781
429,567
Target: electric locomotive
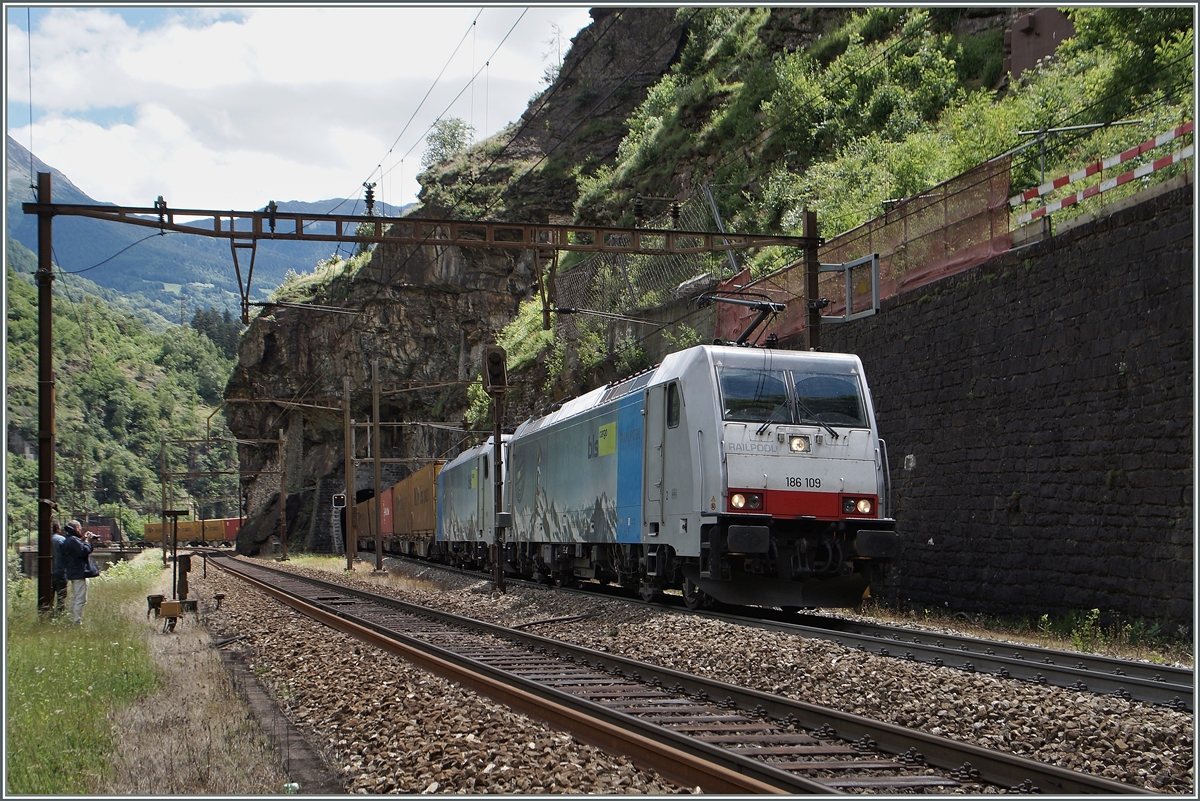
742,475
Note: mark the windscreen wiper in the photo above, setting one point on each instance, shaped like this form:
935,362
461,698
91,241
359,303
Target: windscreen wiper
771,419
815,419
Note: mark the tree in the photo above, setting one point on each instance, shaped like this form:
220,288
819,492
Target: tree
222,329
449,137
550,74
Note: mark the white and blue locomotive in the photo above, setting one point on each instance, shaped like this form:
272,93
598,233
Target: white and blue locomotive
748,476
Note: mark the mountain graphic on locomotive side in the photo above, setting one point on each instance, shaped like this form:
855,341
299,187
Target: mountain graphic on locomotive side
742,475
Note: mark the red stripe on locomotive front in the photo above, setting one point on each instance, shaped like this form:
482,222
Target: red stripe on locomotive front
801,504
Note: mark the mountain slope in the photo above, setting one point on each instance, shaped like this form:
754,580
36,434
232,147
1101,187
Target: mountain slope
151,270
121,390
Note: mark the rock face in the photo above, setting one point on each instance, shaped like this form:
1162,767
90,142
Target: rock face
577,122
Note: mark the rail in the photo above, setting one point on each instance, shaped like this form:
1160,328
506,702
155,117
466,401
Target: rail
697,740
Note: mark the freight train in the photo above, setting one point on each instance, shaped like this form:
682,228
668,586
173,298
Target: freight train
409,515
741,475
216,531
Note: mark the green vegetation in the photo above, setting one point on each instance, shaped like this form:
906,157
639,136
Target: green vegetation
63,681
884,104
304,287
524,338
450,136
220,328
121,388
1085,631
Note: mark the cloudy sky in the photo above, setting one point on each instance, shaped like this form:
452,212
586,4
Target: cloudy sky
228,108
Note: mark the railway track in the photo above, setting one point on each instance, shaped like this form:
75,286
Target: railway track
1167,685
692,730
1142,681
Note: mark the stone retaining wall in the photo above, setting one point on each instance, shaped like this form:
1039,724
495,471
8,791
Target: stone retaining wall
1038,413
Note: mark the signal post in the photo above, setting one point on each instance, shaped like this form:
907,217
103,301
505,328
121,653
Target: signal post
495,382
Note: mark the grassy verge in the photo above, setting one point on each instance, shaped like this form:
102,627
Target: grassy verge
196,735
63,681
1079,631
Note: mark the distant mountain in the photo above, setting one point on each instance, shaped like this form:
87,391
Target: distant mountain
161,271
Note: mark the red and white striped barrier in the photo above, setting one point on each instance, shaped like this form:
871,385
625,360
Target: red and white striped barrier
1111,183
1107,163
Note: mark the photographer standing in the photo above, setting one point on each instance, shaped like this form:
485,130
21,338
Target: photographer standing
76,551
58,575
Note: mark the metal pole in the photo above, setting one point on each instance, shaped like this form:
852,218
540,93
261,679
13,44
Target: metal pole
1043,159
712,204
497,486
351,508
348,447
812,272
174,557
162,472
282,500
46,444
375,448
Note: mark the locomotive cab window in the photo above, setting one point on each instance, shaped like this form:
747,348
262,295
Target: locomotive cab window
754,396
831,399
672,405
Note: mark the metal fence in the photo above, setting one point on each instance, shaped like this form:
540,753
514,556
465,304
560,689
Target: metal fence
946,229
625,285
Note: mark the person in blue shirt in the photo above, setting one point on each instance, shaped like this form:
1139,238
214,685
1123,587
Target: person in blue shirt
58,574
76,550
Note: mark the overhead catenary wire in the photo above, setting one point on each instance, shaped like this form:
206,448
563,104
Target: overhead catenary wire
469,84
87,339
110,258
585,118
420,105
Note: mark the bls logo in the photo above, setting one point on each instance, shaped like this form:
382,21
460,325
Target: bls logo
603,442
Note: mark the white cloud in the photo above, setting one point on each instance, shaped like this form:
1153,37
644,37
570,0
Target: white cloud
229,110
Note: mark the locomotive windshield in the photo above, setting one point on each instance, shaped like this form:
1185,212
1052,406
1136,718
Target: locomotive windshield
754,396
785,396
833,399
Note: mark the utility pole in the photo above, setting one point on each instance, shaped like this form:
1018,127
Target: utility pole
495,382
46,443
812,289
282,500
375,449
347,428
354,526
162,472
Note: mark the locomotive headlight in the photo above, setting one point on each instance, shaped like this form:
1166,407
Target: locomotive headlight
800,445
864,506
748,500
848,505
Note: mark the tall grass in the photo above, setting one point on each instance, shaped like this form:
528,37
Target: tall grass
64,680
